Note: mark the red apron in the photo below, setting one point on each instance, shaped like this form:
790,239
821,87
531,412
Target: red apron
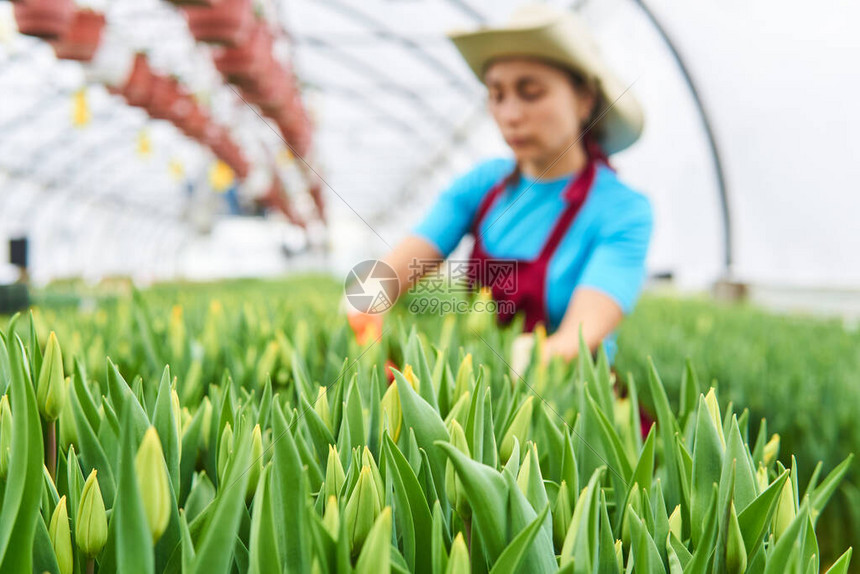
529,293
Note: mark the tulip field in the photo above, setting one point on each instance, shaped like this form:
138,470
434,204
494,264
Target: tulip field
239,427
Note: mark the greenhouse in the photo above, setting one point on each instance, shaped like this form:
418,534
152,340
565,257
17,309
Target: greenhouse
462,286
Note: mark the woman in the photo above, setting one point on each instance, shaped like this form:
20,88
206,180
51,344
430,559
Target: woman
579,235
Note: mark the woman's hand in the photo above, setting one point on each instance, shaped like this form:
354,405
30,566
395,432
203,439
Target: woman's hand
560,345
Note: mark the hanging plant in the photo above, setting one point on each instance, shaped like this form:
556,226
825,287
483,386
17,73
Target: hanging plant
47,19
82,37
228,22
138,87
248,62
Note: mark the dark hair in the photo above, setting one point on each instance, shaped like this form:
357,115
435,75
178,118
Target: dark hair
583,85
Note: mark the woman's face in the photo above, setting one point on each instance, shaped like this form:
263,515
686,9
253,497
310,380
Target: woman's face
536,106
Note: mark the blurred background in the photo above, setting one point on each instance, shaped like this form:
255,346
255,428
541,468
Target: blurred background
135,141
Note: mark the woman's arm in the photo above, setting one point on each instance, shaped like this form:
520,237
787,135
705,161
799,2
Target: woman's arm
411,258
595,312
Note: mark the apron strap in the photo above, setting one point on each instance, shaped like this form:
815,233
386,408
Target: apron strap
575,194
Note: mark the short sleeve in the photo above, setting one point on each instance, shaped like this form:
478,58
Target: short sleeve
617,264
451,216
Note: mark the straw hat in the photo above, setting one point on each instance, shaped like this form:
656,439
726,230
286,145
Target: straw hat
560,37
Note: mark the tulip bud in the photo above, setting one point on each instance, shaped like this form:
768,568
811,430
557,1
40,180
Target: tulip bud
5,435
177,418
460,410
771,450
519,428
51,388
561,515
391,410
206,405
361,510
321,407
463,382
736,553
410,377
152,481
61,537
225,450
458,561
481,315
256,463
785,510
367,460
91,521
331,518
621,413
334,474
761,478
176,333
714,411
675,522
619,554
453,486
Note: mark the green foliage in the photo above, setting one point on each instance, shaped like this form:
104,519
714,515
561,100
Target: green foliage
282,449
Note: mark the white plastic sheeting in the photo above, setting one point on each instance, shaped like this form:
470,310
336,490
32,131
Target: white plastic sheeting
398,115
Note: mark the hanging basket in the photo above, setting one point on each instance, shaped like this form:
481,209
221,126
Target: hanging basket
47,19
227,22
82,37
248,62
138,88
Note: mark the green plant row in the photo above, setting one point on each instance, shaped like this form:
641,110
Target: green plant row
291,451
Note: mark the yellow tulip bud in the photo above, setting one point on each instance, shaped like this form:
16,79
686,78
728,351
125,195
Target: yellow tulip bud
321,407
409,375
51,388
331,518
519,428
177,418
771,450
675,522
761,478
334,474
736,552
361,510
153,483
391,411
619,554
458,561
464,377
367,460
206,405
225,450
785,510
91,528
714,411
61,537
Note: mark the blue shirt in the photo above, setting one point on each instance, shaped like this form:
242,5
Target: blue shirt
604,248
